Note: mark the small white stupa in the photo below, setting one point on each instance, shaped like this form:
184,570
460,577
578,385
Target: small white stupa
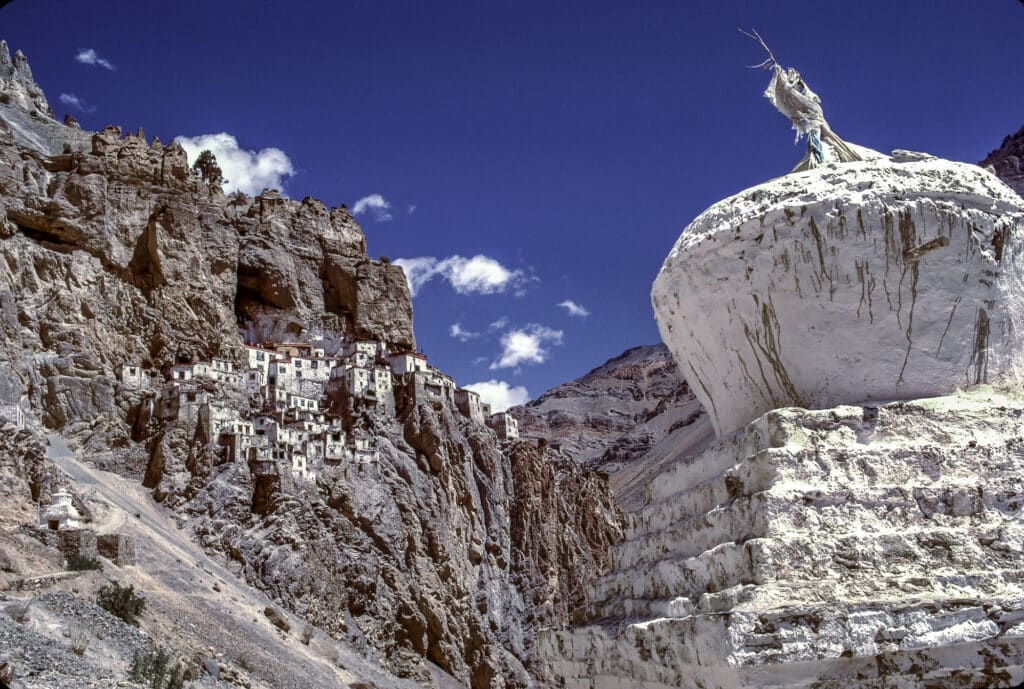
61,514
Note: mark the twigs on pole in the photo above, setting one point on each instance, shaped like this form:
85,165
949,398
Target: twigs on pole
770,62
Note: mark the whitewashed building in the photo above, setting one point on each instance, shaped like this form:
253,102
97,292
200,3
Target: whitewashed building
260,357
336,450
133,376
468,403
407,362
255,381
14,412
504,425
304,350
181,372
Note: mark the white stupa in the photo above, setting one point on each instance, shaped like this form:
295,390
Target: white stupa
61,514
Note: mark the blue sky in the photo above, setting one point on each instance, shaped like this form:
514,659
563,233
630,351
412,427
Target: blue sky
569,143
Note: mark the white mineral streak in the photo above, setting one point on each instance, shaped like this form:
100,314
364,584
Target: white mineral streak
891,278
860,546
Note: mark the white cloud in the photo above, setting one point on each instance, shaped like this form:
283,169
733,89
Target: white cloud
88,56
418,271
412,208
75,102
477,275
499,394
376,204
526,346
247,171
499,324
574,309
456,330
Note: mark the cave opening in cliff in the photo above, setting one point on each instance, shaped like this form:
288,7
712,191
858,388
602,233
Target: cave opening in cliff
248,298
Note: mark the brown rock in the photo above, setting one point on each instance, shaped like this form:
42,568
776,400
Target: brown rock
277,619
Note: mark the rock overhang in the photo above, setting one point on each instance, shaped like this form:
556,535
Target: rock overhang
890,278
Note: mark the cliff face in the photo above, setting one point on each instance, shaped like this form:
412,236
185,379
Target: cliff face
121,255
450,550
616,411
1008,161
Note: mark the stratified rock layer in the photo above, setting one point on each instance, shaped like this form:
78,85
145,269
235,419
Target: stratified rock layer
852,547
614,413
894,278
1008,161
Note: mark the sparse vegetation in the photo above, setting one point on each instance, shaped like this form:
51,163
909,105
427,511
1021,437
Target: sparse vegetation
307,634
19,613
66,149
209,170
80,639
121,601
386,260
82,563
153,669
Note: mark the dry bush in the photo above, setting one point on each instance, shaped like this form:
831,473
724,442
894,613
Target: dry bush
80,639
19,612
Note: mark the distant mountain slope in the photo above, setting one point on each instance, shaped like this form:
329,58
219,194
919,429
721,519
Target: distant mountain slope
627,417
1008,161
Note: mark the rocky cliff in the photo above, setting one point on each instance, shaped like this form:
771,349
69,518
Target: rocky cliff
615,412
1007,161
444,556
629,418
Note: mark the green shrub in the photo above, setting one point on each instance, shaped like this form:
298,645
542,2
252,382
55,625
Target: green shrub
209,170
385,260
121,601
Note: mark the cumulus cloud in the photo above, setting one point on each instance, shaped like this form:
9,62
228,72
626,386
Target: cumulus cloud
499,394
461,334
574,309
526,346
477,275
376,205
247,171
88,56
76,102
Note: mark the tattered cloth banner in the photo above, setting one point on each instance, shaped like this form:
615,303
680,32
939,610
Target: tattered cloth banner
794,99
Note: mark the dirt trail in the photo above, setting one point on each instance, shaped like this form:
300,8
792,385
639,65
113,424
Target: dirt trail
178,579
